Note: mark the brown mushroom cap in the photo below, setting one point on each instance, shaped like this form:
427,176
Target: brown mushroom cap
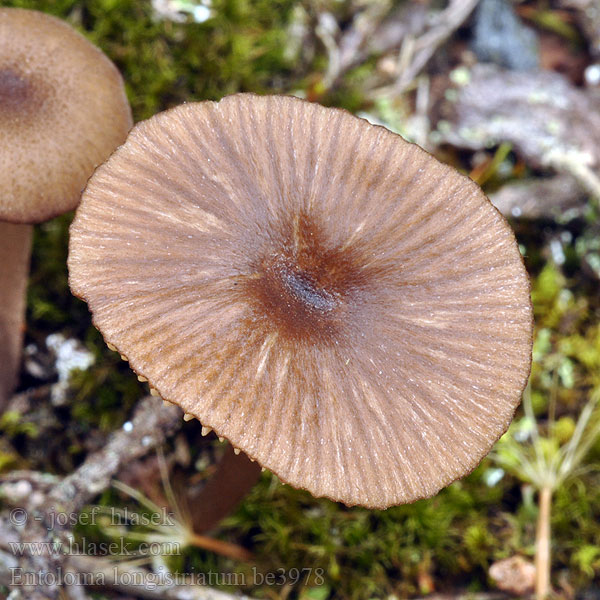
347,310
63,110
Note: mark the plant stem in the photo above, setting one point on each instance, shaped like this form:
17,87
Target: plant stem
15,252
235,476
542,545
220,547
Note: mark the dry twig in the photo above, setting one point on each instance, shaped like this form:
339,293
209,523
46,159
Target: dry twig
152,423
421,49
375,32
556,197
39,571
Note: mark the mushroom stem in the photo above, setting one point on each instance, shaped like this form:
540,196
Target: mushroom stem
235,476
542,545
15,251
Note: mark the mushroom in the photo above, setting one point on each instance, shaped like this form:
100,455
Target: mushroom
63,110
348,311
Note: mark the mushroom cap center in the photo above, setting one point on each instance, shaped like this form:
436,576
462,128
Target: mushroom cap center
304,287
18,93
298,300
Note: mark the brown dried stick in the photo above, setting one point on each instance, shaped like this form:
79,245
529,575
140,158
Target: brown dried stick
444,24
151,425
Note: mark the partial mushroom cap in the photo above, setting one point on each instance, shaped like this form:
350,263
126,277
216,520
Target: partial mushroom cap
63,110
347,310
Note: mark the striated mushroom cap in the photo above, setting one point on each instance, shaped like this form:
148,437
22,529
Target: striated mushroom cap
347,310
63,110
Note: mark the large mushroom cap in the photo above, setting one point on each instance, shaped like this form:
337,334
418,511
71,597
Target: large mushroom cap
347,310
63,110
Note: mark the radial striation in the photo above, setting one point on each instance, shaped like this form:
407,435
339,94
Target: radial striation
347,310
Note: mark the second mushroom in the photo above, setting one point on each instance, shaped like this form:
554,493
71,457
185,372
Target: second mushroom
63,110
